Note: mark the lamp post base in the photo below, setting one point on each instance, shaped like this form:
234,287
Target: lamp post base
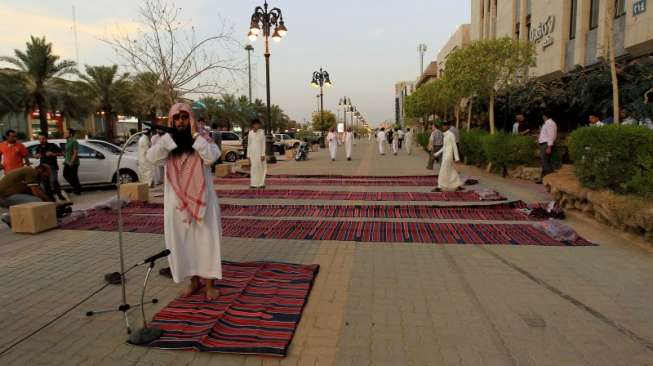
269,149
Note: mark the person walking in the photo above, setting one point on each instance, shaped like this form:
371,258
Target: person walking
157,170
47,153
595,120
395,142
71,162
408,141
13,153
436,142
401,135
256,155
144,166
520,127
448,178
332,141
547,139
349,142
381,139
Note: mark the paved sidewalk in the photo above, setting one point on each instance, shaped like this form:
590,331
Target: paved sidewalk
373,304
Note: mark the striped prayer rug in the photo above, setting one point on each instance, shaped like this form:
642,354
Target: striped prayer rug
511,211
427,181
361,231
295,194
258,312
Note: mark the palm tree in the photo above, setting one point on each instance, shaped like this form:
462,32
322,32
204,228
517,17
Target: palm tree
37,68
107,90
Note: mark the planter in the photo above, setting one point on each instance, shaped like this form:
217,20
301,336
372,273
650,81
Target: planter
627,213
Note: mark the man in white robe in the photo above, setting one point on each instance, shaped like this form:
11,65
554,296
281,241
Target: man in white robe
349,142
408,141
256,155
144,166
448,179
332,140
395,142
192,225
157,171
381,139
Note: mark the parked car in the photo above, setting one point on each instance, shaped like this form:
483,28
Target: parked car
132,149
232,154
97,162
231,139
287,141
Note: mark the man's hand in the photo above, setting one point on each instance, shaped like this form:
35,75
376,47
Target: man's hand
549,150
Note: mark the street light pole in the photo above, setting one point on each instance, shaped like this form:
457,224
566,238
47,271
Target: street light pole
249,50
422,50
263,20
320,79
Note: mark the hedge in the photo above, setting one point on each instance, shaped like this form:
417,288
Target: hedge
471,146
619,158
505,150
423,140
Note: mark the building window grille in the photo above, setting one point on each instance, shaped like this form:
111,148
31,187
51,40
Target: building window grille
529,6
619,8
594,14
572,20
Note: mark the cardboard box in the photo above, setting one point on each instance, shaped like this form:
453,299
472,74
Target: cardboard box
223,170
33,218
139,192
290,153
243,164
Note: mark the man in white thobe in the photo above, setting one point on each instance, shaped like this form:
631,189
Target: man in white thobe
395,142
144,166
256,155
408,141
192,226
332,140
157,171
349,142
381,139
448,179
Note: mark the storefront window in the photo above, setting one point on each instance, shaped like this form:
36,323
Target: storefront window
594,14
619,8
572,20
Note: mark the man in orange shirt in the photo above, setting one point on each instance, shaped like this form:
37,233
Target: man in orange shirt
13,153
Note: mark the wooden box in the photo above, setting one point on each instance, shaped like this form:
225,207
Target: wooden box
139,192
223,170
33,218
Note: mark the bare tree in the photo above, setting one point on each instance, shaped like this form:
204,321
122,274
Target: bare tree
165,45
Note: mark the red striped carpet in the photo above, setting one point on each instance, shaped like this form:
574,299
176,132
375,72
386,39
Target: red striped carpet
430,181
466,196
258,312
364,231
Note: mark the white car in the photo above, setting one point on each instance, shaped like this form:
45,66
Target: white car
287,141
231,139
98,162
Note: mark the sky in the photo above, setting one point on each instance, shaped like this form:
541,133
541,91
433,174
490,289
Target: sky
365,45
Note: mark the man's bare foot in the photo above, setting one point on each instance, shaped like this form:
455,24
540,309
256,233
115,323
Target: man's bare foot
212,293
192,287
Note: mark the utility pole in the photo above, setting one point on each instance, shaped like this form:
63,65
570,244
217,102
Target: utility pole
249,48
421,49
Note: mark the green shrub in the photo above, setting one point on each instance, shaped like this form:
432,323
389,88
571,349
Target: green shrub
423,140
505,150
619,158
471,146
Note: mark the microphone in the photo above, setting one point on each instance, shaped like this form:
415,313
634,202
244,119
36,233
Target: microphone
154,126
156,257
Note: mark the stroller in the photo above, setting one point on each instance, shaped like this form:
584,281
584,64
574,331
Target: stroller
302,152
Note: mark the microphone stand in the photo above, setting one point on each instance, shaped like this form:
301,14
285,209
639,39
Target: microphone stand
124,307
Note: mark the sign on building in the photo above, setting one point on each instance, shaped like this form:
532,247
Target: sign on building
543,32
639,7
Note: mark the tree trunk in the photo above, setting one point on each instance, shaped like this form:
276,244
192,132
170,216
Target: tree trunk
613,63
108,122
43,114
457,113
469,113
491,112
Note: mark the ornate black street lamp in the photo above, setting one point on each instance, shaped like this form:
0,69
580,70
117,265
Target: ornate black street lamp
320,79
262,21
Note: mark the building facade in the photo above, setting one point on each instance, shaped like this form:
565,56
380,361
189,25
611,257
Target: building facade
567,33
402,90
458,40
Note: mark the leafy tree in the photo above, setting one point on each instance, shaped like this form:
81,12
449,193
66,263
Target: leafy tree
484,66
147,96
106,89
37,68
327,122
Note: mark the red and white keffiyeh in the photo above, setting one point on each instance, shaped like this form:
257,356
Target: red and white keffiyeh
186,175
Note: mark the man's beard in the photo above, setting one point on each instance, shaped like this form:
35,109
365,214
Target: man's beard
184,140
